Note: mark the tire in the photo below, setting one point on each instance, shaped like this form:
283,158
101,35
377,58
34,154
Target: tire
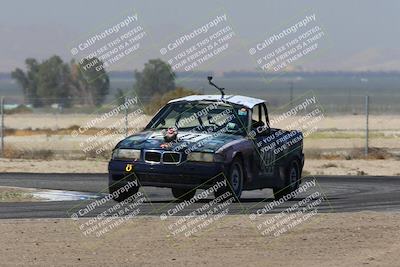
122,196
183,193
292,175
234,180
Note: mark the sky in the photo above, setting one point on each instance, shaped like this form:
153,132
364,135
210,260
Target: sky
357,35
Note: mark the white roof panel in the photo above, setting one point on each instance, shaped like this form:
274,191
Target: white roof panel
246,101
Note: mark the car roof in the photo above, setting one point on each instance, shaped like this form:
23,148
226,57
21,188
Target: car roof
246,101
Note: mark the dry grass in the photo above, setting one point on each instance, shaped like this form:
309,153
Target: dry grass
374,153
60,131
11,194
329,165
13,153
92,154
10,152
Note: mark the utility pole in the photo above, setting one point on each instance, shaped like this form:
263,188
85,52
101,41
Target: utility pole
2,126
291,93
126,117
366,123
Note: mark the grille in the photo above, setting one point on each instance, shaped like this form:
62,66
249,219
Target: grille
165,157
152,156
171,157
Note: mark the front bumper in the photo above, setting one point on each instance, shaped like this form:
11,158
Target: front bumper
184,175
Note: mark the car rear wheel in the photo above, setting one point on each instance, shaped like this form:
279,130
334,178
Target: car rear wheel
119,196
235,179
182,193
291,179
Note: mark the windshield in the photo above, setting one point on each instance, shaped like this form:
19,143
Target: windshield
203,116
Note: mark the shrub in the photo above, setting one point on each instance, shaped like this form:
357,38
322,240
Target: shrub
19,110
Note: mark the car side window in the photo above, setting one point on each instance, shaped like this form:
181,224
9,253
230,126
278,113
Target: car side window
256,113
256,117
264,115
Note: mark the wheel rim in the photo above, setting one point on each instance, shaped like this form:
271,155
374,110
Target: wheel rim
235,179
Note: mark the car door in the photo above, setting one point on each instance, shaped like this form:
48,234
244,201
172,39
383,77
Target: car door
264,144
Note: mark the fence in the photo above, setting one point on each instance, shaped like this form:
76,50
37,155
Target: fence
81,132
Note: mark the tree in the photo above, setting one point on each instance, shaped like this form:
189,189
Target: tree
45,83
91,83
157,77
53,82
28,81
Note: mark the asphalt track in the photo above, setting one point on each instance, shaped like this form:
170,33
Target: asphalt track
340,194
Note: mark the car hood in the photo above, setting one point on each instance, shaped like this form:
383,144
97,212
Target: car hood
185,140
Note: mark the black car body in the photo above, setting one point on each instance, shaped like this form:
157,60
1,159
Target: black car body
194,141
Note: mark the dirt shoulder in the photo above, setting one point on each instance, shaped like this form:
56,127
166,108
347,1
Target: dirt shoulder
386,167
312,166
346,239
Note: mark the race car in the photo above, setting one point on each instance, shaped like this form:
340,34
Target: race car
197,141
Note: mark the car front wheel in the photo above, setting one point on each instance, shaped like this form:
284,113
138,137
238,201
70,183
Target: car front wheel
234,179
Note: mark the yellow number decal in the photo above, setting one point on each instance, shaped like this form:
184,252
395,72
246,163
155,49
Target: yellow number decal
128,167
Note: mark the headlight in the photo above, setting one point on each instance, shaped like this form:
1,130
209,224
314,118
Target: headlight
126,154
204,157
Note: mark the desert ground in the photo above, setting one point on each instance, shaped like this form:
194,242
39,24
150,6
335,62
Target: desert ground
372,239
